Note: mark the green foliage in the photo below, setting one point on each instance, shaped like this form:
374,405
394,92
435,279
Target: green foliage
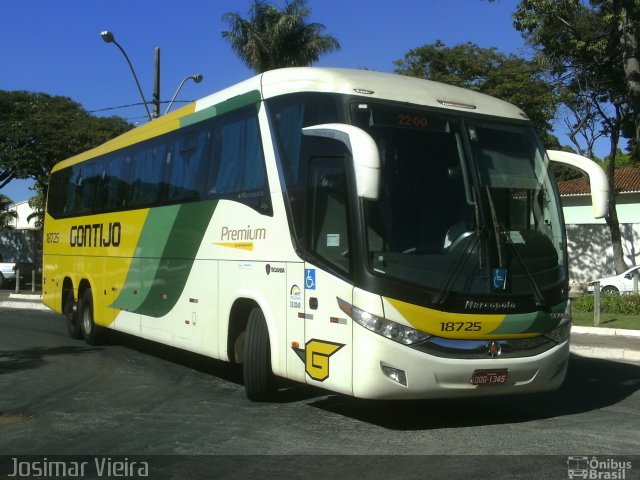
615,304
511,78
622,160
38,130
592,48
37,203
6,215
273,38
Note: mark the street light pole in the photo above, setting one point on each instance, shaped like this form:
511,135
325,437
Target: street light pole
196,78
109,38
156,84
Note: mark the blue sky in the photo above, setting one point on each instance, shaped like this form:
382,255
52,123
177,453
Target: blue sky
55,46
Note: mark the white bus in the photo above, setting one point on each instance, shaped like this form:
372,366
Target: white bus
376,235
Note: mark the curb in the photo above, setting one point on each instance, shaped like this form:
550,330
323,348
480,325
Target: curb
23,300
617,354
612,332
607,353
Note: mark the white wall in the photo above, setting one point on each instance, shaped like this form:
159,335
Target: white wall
589,240
24,210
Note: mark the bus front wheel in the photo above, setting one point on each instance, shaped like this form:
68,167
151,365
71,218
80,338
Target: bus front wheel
90,331
259,381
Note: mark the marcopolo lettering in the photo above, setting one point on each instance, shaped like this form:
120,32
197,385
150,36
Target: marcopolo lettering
234,235
96,235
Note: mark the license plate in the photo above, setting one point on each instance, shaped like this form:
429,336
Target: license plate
489,377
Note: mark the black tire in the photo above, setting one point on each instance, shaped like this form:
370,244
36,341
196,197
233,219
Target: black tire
259,381
90,331
609,290
1,280
73,319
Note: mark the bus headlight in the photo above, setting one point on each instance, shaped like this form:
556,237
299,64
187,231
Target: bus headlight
391,330
561,332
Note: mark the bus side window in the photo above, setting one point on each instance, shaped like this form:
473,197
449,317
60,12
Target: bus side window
188,169
237,168
90,183
116,183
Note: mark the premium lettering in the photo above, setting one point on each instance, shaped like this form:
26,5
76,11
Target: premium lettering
96,235
231,234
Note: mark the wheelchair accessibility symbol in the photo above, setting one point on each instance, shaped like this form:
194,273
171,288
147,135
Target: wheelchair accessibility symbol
309,279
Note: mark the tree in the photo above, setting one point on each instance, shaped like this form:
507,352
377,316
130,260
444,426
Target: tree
592,47
6,215
508,77
273,38
38,130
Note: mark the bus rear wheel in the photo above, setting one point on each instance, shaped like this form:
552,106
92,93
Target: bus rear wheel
90,331
71,312
259,381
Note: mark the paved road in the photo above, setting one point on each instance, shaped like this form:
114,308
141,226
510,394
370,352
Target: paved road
61,397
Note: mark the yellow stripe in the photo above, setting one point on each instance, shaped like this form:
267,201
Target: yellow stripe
165,124
449,325
239,245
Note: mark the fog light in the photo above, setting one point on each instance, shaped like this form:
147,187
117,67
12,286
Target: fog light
395,374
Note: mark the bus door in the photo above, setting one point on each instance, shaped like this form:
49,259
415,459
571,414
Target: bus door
328,331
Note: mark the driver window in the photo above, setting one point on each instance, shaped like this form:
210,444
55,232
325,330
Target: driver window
328,212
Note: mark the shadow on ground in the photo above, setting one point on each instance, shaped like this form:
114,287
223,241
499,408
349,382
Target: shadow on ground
591,384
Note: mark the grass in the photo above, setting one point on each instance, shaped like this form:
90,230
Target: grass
607,320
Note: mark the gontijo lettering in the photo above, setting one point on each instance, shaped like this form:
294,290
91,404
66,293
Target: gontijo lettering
96,235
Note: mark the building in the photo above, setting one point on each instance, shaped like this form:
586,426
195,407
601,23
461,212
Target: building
588,239
23,242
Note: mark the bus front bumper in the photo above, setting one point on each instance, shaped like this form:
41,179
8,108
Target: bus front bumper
383,369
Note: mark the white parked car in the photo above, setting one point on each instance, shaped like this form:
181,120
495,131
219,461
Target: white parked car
7,272
622,283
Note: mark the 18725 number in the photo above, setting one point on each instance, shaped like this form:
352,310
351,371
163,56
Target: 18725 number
460,326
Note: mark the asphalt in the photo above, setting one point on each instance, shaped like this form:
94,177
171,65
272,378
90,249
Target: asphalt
594,342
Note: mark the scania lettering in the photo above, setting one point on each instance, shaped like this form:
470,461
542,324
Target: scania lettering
372,234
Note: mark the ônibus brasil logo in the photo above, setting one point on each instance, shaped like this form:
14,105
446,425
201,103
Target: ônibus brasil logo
595,468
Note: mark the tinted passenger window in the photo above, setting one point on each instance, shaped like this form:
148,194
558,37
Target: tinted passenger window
217,158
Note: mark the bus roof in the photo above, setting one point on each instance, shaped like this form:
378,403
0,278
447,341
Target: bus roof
369,84
382,85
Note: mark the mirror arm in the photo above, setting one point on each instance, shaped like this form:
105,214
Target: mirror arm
597,178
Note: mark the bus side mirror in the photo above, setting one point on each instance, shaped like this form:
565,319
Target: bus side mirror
597,178
364,151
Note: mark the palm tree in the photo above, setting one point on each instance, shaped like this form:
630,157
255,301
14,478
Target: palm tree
6,215
273,38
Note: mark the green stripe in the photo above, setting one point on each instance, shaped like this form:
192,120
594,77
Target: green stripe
534,322
165,253
230,105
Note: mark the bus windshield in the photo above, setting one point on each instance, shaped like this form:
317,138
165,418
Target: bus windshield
466,205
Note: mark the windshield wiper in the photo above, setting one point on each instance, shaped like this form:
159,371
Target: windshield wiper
458,265
532,281
462,258
498,232
496,227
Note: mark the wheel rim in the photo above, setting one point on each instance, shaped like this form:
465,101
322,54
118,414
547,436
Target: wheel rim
87,323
